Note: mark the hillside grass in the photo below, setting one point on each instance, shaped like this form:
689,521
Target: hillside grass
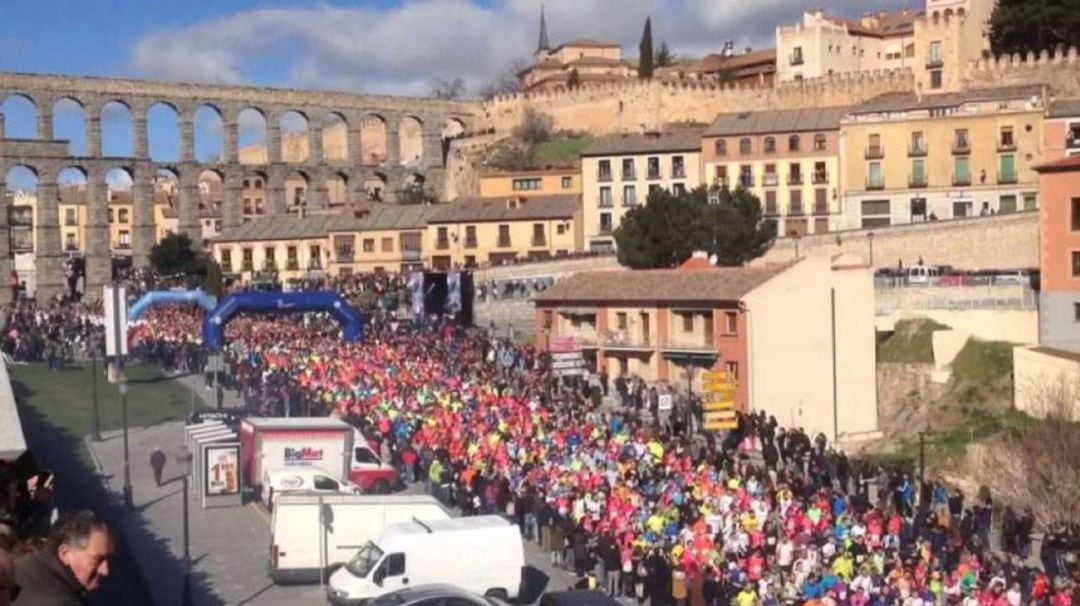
910,343
560,150
983,362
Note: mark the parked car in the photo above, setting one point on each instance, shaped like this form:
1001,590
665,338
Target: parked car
923,274
308,479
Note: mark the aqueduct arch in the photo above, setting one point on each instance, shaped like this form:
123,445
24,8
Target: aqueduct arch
334,157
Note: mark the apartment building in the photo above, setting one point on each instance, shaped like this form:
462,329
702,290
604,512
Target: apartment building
619,171
789,159
387,238
279,247
668,326
950,34
1061,135
824,44
530,183
475,232
908,158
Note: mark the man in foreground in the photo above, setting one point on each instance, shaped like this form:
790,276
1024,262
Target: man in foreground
73,564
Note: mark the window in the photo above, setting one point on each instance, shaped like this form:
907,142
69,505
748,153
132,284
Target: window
504,236
678,167
961,141
769,178
226,259
821,173
745,146
325,483
1076,312
935,79
69,216
918,172
746,176
442,238
1007,138
605,223
628,172
395,565
603,172
605,197
874,178
653,167
1075,219
821,202
560,229
1007,204
1031,201
470,260
918,143
793,143
770,202
1076,264
111,220
270,258
820,142
122,216
292,257
629,195
732,370
909,50
314,257
1007,168
796,56
526,184
731,323
369,245
538,237
795,202
688,322
962,171
678,189
794,174
873,147
470,236
388,245
962,209
567,182
770,145
620,319
69,242
247,259
720,147
875,207
935,59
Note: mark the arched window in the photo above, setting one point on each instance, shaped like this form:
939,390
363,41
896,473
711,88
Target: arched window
720,147
793,143
819,142
744,146
770,145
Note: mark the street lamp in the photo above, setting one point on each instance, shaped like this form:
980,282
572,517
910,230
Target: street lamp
870,238
183,459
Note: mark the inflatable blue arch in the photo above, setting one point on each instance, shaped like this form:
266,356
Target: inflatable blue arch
166,297
351,320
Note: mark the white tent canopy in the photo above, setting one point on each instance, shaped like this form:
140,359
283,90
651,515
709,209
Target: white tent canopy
12,442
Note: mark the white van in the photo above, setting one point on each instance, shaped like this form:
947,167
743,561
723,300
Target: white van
482,554
307,479
925,275
353,521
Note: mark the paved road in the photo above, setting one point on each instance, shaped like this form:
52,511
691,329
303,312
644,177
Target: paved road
229,545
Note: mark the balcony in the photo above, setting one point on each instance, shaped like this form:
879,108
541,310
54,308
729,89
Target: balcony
410,254
605,203
123,246
22,222
961,148
797,59
269,265
292,265
770,209
678,172
503,242
796,210
247,266
345,256
1006,146
795,179
821,178
604,177
691,344
442,243
538,241
226,267
961,179
746,181
68,222
934,62
622,339
821,209
770,179
314,265
629,175
629,202
873,184
470,242
72,247
874,152
1007,178
917,150
653,175
604,229
916,181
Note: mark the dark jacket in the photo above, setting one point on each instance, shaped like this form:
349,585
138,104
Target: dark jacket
46,582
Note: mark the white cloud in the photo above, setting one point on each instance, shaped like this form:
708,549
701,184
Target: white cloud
399,49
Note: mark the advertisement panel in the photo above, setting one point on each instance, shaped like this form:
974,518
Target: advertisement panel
222,470
292,449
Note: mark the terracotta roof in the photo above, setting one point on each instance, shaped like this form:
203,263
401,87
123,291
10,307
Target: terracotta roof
391,217
1068,164
478,210
288,227
626,144
716,62
889,24
531,172
1064,108
891,102
776,121
586,61
587,43
704,285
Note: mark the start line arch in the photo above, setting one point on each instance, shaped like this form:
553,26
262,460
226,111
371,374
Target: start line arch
351,320
163,297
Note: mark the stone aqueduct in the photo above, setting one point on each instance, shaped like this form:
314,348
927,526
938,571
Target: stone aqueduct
47,157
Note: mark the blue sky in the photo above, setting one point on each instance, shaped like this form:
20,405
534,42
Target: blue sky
377,46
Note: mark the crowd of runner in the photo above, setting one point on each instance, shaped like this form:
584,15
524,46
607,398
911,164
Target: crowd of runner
637,507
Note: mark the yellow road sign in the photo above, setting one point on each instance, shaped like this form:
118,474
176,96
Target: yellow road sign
715,376
718,415
720,405
724,390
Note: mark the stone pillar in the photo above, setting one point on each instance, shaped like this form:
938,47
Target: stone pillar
355,149
143,232
93,134
431,136
48,267
45,120
233,212
5,241
98,250
141,145
273,142
275,192
3,129
232,136
188,213
315,198
315,146
187,137
393,142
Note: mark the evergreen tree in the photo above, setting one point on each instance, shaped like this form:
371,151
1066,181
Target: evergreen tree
1022,26
574,80
645,50
175,255
664,56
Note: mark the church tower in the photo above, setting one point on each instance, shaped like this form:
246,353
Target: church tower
543,47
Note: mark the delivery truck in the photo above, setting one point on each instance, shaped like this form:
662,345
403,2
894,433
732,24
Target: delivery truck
298,534
480,554
283,443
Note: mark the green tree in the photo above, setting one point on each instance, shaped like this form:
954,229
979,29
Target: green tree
1022,26
664,57
175,254
669,228
645,52
574,79
535,127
